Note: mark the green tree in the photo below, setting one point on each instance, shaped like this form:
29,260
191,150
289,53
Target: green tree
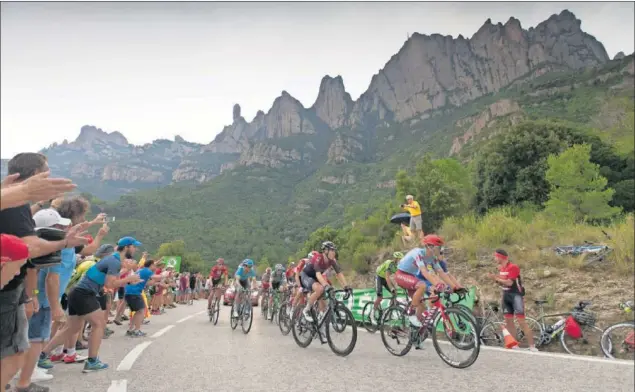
262,265
316,238
578,191
442,187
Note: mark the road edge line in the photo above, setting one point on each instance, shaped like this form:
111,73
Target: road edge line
118,386
160,332
127,362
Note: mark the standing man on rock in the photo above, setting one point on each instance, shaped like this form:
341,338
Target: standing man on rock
414,209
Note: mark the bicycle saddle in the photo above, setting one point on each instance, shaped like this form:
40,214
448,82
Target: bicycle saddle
584,304
540,301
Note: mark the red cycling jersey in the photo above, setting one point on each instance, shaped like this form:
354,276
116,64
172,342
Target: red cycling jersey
218,271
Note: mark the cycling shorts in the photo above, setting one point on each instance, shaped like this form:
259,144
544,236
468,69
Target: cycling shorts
216,282
276,285
411,283
243,283
380,283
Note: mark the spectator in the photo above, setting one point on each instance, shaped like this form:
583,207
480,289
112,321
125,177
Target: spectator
414,209
38,187
51,283
512,302
17,298
13,255
135,300
406,234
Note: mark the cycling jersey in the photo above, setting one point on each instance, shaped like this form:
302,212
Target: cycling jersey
386,266
243,275
319,263
417,258
266,278
301,265
218,271
290,274
277,276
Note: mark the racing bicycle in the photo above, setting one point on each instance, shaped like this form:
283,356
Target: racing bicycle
245,314
618,340
336,319
214,311
450,326
371,317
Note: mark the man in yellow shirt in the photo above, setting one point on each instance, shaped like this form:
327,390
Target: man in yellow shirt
415,215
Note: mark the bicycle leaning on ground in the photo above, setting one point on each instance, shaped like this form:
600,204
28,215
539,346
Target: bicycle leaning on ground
457,328
244,312
490,326
618,340
336,319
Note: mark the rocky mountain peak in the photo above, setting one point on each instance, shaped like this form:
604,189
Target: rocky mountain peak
90,135
333,104
179,139
236,114
619,56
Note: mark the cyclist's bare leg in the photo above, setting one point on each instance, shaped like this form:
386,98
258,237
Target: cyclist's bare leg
378,301
416,299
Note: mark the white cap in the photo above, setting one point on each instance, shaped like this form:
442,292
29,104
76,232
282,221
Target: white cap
49,218
409,197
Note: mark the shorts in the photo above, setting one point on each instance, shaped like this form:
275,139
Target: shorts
380,283
121,292
415,223
243,283
40,326
82,302
410,283
307,281
216,282
103,301
513,304
188,291
275,285
266,285
135,302
13,324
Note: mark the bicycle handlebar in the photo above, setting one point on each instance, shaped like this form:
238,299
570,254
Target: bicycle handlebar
461,294
331,293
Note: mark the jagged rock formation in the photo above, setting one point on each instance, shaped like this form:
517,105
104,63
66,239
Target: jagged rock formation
429,74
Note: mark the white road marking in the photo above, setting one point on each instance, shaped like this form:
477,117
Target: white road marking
190,316
118,386
127,362
162,331
543,354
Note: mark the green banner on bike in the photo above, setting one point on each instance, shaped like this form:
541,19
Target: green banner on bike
361,297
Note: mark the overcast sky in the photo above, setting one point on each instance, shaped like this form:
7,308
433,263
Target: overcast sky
155,70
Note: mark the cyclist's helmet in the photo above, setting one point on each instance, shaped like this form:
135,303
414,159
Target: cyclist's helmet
248,263
397,255
433,240
220,261
328,245
279,267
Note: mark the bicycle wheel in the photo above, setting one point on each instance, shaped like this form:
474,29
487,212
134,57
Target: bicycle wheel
233,321
618,341
536,330
247,316
264,307
590,343
215,311
303,330
395,328
369,318
491,334
284,321
458,331
339,321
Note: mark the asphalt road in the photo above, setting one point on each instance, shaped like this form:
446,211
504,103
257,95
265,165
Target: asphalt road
188,353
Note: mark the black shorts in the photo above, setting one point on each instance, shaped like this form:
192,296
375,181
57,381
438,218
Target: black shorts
135,302
380,283
121,292
82,302
307,281
243,283
216,282
64,301
275,285
513,304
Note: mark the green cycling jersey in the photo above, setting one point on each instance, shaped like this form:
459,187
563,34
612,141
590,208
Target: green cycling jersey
386,266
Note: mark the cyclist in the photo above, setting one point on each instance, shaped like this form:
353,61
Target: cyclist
290,273
297,274
216,274
419,270
277,279
312,276
244,275
382,278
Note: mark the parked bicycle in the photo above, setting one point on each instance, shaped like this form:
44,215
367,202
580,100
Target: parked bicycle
335,320
449,326
244,312
576,330
490,326
618,340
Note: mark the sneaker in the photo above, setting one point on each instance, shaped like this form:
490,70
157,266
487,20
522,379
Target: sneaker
94,366
74,358
146,322
129,332
533,349
57,357
40,375
307,314
45,363
414,320
33,388
125,318
117,322
138,334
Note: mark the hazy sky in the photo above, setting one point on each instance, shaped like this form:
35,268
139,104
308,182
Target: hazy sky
155,70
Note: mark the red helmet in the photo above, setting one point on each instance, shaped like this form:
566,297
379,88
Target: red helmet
220,261
432,240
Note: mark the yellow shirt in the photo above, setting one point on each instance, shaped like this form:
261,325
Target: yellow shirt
414,209
142,262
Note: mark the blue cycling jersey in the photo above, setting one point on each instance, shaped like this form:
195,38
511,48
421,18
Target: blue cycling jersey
242,275
417,258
